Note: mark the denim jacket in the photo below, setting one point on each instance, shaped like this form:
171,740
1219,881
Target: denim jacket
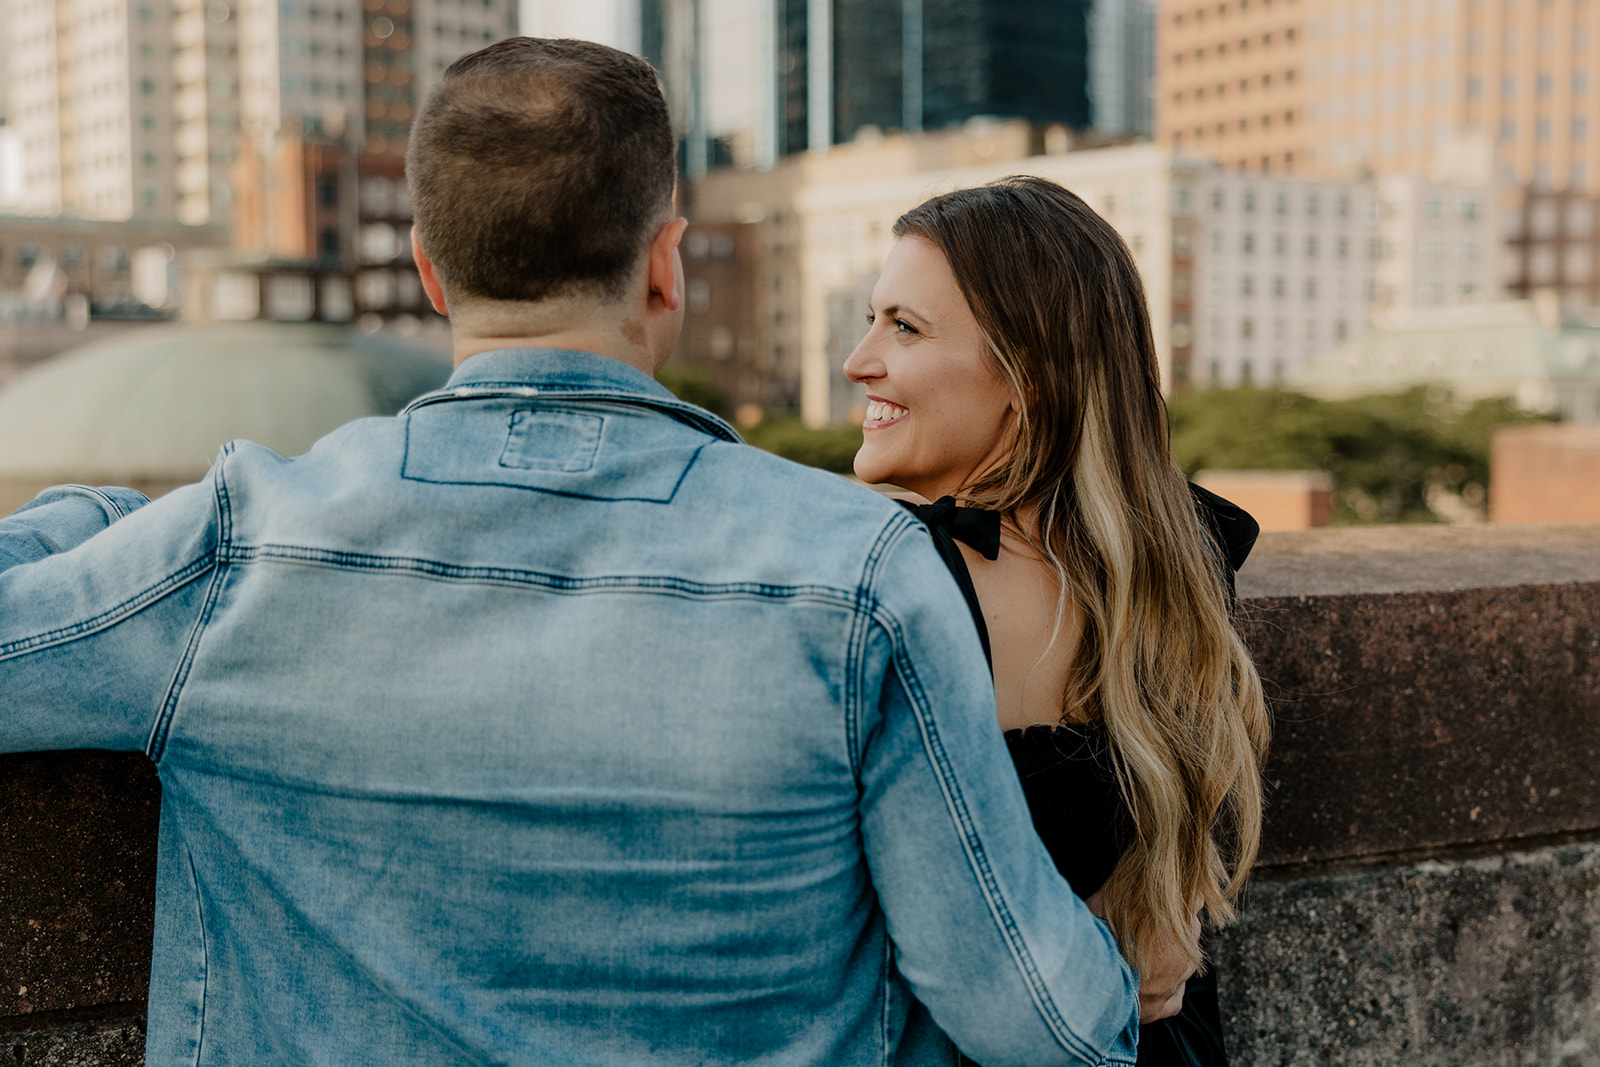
547,723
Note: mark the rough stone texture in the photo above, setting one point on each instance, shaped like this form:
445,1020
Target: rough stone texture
1398,559
1413,720
1434,688
77,880
116,1041
1487,961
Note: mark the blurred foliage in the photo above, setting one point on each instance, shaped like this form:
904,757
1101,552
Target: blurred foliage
697,387
1416,456
831,448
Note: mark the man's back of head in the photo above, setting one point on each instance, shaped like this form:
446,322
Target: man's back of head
539,170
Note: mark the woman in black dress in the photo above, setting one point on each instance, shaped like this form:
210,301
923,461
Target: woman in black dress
1013,381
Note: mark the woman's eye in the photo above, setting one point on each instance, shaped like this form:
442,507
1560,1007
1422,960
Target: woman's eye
904,327
871,318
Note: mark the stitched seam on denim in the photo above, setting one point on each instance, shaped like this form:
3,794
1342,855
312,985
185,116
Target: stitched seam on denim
156,745
679,411
883,999
513,576
105,499
205,957
158,733
132,606
855,648
933,746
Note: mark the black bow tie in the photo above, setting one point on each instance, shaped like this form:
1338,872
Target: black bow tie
977,527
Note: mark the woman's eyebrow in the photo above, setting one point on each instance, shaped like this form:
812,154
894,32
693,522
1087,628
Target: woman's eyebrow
901,309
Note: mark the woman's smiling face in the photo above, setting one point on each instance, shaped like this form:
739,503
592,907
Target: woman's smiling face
938,413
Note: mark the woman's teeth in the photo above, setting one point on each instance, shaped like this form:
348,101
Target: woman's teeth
883,411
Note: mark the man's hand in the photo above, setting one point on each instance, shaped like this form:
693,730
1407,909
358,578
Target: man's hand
1162,983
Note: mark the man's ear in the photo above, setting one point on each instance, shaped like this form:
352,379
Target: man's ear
666,278
430,277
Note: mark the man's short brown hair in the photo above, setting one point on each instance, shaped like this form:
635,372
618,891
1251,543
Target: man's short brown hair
537,169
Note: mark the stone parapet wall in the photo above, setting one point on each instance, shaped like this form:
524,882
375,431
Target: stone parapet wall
1429,892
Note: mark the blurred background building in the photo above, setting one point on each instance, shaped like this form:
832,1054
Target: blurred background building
1310,187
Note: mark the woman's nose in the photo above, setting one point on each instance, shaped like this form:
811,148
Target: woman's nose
861,365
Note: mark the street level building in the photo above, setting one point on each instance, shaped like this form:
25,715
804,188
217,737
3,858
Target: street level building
1527,350
1249,277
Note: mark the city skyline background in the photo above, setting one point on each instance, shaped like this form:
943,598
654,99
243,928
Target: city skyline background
1337,197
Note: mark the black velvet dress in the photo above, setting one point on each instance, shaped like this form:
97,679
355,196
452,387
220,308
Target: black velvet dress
1071,788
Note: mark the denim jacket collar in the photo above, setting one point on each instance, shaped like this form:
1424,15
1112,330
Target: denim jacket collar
567,375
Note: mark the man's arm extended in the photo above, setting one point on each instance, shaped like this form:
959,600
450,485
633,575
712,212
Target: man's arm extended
99,597
993,941
62,518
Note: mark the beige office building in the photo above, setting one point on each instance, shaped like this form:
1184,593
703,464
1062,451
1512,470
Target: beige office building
1335,87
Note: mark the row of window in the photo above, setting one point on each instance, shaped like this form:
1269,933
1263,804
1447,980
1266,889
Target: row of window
1243,125
1577,129
1544,85
1197,14
1266,81
1280,245
1247,330
1220,49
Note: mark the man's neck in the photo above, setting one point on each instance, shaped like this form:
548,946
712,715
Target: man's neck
602,330
578,340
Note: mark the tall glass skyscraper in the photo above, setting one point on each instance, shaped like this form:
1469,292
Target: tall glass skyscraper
754,80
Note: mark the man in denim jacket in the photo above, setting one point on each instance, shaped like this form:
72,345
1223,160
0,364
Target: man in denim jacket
546,723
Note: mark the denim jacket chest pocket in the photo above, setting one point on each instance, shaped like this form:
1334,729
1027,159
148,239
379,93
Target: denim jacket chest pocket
596,452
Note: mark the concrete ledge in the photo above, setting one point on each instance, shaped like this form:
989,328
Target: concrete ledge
77,880
1427,962
1431,884
104,1039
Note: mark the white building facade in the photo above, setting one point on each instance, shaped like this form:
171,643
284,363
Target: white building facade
1282,273
135,108
90,97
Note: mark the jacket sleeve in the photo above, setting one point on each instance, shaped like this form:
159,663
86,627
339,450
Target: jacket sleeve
101,595
1007,959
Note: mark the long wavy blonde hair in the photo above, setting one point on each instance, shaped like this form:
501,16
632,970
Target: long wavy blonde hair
1159,663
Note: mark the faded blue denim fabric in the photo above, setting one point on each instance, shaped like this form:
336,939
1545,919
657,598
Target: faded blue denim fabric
547,723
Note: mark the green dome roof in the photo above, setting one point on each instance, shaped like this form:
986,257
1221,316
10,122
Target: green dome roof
160,401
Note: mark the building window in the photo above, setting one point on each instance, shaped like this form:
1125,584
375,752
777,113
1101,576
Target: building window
1311,247
1247,243
1340,330
1508,130
1279,286
1474,87
1543,85
1247,328
1217,200
1469,209
1247,285
1249,203
1311,288
1580,84
1342,248
1435,208
1245,372
1541,130
1580,129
